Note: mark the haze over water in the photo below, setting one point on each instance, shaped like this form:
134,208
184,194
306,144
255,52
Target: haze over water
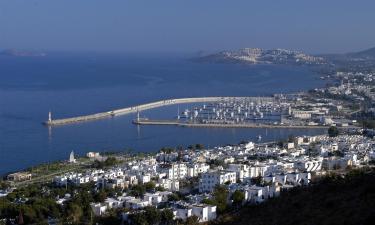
78,84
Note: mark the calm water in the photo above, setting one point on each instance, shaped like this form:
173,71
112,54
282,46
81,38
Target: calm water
72,85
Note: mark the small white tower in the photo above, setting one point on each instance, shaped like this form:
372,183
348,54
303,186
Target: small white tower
71,157
49,116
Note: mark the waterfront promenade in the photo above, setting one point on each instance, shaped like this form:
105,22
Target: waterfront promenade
142,107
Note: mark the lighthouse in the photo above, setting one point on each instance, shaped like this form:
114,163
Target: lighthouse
49,117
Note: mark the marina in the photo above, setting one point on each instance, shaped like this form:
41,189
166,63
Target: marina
238,111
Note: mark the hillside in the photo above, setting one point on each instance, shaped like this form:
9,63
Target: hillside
262,56
334,200
362,61
366,54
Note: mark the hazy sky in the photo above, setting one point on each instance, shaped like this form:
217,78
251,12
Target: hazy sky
187,25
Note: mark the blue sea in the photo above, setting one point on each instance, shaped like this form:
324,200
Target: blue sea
78,84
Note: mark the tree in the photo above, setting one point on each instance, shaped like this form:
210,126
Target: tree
160,188
238,197
153,215
100,196
167,216
208,201
199,146
4,185
257,180
333,131
167,150
191,147
220,197
173,197
74,213
150,186
138,190
192,220
138,219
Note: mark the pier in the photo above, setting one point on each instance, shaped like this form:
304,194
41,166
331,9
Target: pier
222,125
142,107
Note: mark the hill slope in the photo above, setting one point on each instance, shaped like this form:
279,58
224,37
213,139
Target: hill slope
366,54
334,200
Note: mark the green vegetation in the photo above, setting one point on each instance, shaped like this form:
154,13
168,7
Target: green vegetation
238,197
38,202
192,220
55,167
137,190
333,132
196,147
176,196
199,146
208,201
151,215
4,185
330,200
217,162
220,198
110,161
167,150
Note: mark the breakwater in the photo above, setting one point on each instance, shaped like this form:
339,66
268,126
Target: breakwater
142,107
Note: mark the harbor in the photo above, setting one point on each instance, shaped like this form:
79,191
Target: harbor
281,111
142,107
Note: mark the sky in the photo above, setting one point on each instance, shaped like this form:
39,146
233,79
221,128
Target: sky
318,26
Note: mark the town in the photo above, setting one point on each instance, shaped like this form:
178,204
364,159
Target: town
197,184
347,103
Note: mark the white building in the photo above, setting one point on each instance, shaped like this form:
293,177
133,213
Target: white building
168,184
195,169
242,170
203,212
177,171
209,180
98,208
92,154
153,199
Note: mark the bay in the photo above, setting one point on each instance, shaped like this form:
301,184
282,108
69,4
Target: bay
78,84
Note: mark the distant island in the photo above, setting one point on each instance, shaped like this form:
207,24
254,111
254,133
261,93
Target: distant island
21,53
262,56
362,60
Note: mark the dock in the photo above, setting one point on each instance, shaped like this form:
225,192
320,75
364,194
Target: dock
223,125
142,107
